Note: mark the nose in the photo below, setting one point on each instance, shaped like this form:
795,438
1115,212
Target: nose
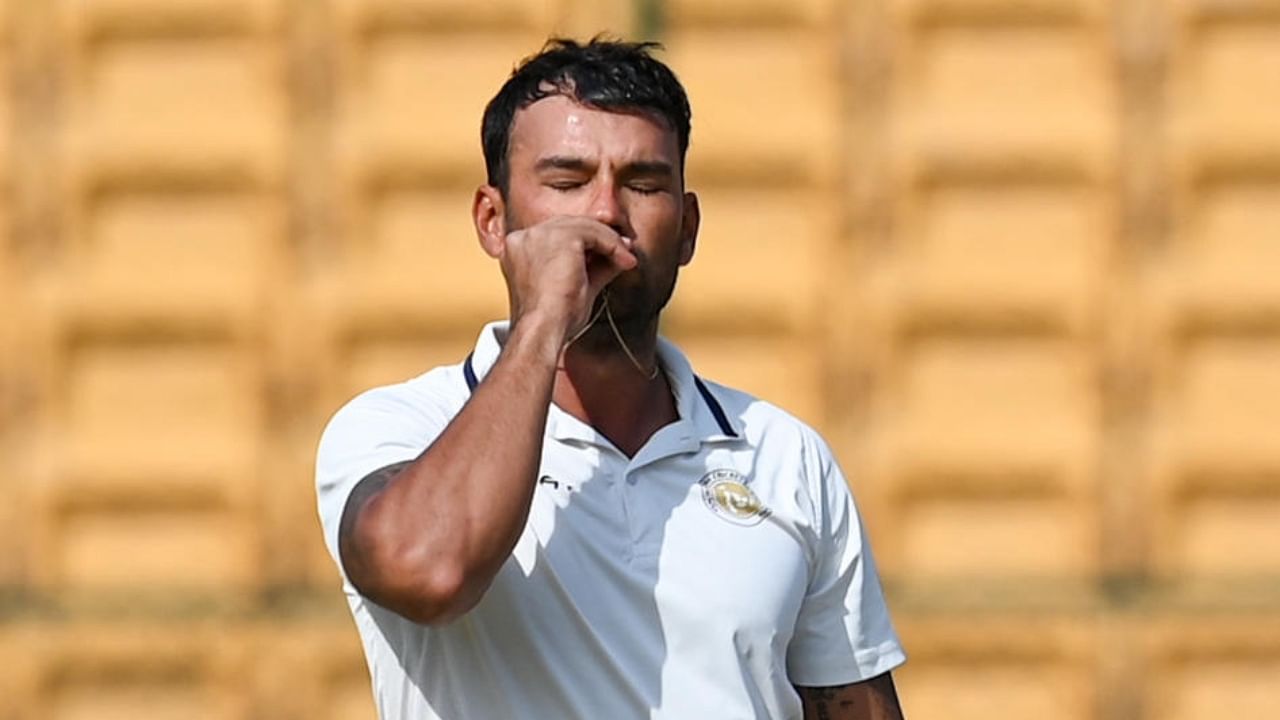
606,208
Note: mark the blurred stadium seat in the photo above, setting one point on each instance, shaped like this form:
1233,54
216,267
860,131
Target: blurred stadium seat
1016,259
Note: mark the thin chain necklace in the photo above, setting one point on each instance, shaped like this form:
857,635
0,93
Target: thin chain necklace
617,334
608,314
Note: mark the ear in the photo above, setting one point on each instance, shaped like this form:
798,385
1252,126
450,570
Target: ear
691,218
489,213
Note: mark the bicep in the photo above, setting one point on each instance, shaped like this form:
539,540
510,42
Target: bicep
874,699
376,431
354,563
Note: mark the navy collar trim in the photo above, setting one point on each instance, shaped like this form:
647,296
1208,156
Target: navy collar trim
714,405
468,372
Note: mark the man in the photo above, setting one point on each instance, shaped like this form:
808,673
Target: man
570,523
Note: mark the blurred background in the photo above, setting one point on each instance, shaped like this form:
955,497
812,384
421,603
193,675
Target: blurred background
1017,259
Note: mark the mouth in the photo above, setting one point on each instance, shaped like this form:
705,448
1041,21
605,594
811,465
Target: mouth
627,281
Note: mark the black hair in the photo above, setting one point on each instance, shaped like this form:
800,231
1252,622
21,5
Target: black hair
602,73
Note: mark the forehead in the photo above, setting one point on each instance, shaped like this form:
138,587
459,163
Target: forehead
557,125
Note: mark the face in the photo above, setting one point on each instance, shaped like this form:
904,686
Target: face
620,168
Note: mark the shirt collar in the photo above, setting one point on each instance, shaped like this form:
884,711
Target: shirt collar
697,405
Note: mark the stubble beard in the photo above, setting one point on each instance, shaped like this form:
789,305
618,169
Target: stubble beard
635,311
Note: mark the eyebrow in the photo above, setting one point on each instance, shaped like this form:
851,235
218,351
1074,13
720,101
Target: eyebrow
561,162
640,167
649,168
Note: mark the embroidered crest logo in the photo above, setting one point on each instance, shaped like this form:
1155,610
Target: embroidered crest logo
726,493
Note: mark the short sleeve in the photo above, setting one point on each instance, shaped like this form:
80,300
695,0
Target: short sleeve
376,429
843,633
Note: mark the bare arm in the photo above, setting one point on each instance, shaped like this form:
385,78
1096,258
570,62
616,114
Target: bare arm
426,538
874,699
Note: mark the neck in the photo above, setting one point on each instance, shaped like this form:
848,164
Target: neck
598,383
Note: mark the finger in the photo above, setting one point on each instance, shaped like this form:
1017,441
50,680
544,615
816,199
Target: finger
600,274
599,238
606,243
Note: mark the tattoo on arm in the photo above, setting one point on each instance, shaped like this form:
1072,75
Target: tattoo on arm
874,699
368,487
824,698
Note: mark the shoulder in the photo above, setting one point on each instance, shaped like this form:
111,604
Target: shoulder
792,464
768,428
419,404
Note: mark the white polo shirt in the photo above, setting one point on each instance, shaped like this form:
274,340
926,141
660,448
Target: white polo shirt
702,578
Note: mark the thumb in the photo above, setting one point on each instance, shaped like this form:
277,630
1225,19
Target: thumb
599,274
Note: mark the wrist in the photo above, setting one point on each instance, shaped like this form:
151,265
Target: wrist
540,334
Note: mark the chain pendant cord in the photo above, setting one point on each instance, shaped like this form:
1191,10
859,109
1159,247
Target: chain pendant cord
594,317
608,314
617,335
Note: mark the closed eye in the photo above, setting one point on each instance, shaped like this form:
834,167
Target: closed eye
646,189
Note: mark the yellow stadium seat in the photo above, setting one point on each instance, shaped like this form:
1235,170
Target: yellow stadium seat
364,16
1213,461
11,695
981,443
760,263
142,672
737,13
12,320
410,103
748,13
370,361
7,108
1006,251
1223,251
778,125
295,554
1002,180
172,417
1224,161
316,671
1225,61
1019,404
20,648
159,453
163,85
1201,665
171,160
1213,307
201,256
410,253
997,82
101,550
988,665
192,16
9,277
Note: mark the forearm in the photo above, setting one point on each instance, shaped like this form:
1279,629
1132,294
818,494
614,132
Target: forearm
431,540
874,699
